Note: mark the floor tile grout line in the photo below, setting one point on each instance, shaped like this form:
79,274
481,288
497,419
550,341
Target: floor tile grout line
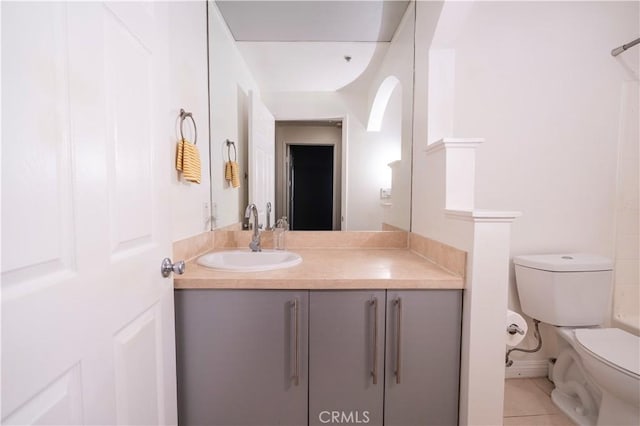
536,386
531,415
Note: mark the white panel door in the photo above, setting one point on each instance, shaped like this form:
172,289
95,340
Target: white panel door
87,319
262,156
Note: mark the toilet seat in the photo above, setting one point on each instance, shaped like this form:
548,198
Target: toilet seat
614,347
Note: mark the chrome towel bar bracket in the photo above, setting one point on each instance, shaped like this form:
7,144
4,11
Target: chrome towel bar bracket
230,144
183,116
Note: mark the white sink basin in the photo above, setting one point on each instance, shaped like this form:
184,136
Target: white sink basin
248,261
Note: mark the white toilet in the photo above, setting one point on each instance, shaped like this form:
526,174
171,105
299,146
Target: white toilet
597,371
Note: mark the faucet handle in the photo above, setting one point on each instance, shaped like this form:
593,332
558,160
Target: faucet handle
268,217
282,223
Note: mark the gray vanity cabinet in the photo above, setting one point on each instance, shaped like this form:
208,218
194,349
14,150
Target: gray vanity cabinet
242,357
346,357
422,357
286,357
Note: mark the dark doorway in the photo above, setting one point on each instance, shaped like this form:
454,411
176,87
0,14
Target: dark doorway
311,187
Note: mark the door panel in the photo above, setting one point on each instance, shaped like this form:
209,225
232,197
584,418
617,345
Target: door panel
237,357
35,135
85,107
136,368
311,187
425,329
343,352
59,402
128,79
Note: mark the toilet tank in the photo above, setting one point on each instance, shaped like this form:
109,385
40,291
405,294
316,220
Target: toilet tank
565,289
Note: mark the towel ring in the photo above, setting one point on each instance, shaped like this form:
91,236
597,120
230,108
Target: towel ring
235,153
183,116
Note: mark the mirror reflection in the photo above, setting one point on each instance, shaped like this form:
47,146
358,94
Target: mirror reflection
317,99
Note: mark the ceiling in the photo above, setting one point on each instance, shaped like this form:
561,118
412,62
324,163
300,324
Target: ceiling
301,45
309,20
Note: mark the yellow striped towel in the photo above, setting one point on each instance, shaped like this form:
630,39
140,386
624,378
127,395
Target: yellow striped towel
227,171
188,161
235,174
179,150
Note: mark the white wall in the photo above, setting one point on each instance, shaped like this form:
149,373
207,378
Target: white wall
231,81
547,97
427,194
396,133
536,80
188,77
434,23
398,173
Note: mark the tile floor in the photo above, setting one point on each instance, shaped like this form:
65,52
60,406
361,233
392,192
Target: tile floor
527,402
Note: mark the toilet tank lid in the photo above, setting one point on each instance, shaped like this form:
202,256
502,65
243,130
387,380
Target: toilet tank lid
565,262
614,345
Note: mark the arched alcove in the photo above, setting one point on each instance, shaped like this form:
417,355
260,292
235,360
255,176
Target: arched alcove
380,102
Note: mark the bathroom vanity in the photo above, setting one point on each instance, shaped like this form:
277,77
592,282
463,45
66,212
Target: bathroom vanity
346,337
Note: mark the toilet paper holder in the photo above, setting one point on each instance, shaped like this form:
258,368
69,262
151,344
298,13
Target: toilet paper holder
515,328
509,362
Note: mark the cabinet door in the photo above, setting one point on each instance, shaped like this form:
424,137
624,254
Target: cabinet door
242,357
423,357
346,359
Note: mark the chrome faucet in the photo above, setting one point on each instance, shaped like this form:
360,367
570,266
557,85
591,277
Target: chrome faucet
268,227
254,245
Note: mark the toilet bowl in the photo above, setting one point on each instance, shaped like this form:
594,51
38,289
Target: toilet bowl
612,358
596,373
575,393
596,376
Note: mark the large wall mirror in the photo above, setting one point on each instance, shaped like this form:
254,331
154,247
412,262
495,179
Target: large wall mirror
313,101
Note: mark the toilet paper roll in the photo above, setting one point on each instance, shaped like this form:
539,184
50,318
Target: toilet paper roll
520,325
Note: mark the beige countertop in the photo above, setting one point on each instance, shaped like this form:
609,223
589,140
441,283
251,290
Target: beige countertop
331,269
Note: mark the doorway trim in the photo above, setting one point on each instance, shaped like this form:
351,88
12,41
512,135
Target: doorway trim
340,217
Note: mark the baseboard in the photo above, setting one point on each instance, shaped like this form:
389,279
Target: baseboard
527,368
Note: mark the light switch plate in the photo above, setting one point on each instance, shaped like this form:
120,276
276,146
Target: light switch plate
385,193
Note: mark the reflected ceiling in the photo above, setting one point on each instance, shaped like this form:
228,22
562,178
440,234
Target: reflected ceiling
360,21
300,46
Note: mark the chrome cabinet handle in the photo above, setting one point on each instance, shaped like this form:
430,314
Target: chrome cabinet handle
398,303
167,267
296,338
374,369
